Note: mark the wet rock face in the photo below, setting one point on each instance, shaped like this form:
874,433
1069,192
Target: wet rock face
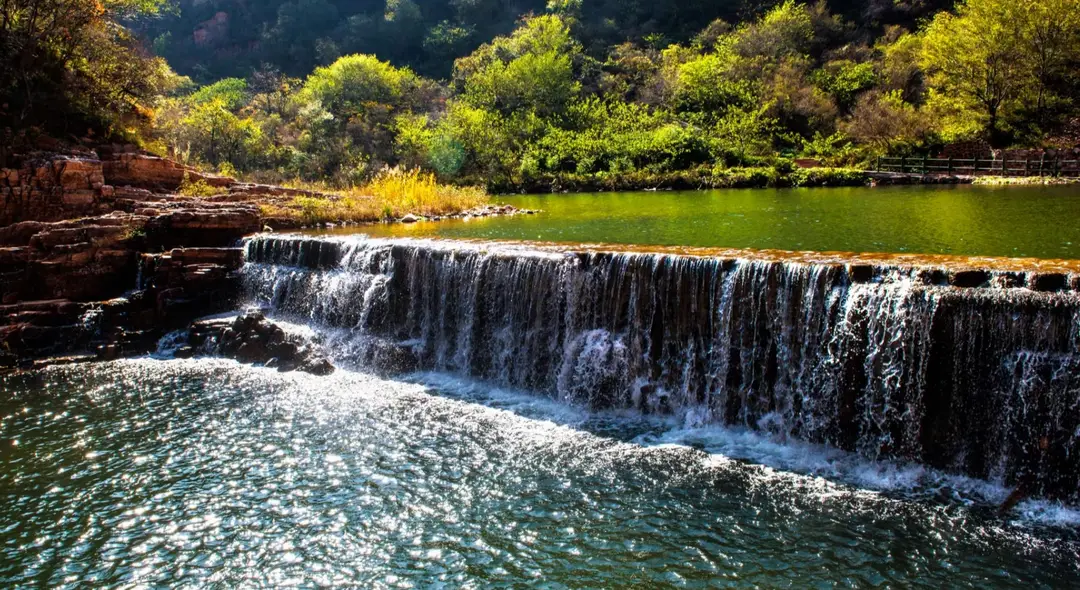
251,338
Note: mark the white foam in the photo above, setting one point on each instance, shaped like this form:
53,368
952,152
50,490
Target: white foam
169,343
820,468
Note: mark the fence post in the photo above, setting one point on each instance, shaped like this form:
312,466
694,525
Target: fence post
924,169
1004,165
903,164
1027,164
877,164
950,164
1042,161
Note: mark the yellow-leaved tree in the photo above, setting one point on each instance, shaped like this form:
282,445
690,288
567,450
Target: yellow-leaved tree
994,59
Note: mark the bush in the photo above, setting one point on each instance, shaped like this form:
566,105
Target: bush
746,177
198,188
828,177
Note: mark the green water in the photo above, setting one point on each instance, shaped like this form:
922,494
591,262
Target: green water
992,221
206,473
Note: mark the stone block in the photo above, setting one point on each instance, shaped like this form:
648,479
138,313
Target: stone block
1048,281
860,273
78,198
969,278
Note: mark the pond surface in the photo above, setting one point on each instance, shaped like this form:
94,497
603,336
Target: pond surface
206,473
1036,222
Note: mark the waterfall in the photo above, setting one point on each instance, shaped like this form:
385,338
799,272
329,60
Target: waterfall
887,361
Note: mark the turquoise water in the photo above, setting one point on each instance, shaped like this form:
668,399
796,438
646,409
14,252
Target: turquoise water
993,221
206,473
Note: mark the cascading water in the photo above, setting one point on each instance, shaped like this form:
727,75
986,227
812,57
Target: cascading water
981,381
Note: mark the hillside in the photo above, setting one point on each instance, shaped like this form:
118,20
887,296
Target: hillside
213,39
521,97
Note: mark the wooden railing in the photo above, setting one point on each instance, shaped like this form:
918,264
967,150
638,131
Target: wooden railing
1041,166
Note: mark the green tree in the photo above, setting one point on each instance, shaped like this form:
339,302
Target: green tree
885,123
898,67
706,83
232,92
355,84
786,30
73,61
447,38
1049,33
996,54
845,79
532,69
218,135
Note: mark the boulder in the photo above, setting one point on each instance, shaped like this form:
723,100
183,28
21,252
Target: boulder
1048,281
251,338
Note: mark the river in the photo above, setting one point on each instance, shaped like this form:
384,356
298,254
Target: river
522,415
1033,221
206,473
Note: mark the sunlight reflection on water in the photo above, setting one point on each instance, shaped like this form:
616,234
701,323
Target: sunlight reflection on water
207,472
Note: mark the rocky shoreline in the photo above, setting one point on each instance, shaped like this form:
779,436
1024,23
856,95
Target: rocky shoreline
251,338
100,255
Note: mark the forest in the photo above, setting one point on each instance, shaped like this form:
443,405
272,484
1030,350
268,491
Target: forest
524,97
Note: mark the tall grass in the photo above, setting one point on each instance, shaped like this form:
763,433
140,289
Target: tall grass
392,194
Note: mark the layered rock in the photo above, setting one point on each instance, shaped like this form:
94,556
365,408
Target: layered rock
55,189
97,254
152,172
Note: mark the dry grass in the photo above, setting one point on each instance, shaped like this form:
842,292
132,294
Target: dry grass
1023,180
392,194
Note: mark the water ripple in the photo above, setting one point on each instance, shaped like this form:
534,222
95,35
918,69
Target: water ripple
207,473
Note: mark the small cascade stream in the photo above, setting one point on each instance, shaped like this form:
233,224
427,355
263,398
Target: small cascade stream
979,381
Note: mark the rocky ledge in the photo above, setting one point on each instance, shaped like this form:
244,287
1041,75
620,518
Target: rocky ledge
100,256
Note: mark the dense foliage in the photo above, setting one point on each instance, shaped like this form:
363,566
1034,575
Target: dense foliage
535,108
212,39
565,97
69,66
